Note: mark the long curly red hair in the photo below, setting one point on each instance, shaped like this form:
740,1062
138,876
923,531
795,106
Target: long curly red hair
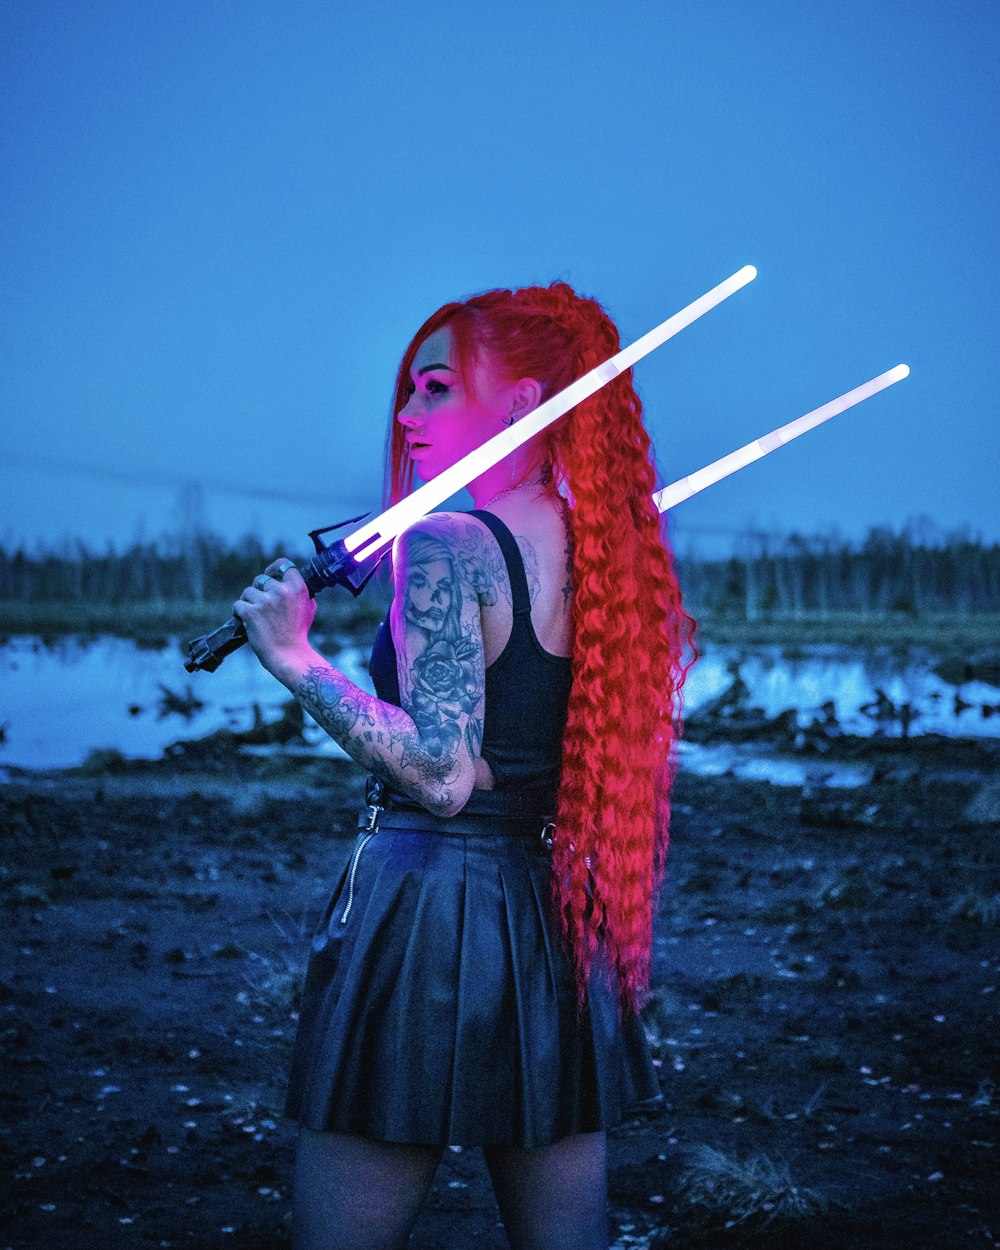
632,639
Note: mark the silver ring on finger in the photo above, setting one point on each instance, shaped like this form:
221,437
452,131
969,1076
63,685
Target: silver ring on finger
282,569
261,580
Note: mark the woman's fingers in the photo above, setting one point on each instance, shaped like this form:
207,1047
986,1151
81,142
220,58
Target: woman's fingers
276,591
276,611
273,581
251,597
278,568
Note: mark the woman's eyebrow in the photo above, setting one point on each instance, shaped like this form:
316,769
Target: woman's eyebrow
428,368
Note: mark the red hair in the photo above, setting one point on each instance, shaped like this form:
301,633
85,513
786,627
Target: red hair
630,632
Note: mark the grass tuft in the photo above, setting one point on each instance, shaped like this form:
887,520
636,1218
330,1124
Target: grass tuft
750,1195
275,985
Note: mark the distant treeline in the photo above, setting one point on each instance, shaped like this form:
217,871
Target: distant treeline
199,569
887,572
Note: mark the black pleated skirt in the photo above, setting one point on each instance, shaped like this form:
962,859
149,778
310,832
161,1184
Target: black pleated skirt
439,1006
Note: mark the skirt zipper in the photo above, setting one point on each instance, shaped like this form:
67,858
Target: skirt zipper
354,868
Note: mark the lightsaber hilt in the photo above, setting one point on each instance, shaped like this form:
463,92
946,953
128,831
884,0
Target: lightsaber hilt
332,565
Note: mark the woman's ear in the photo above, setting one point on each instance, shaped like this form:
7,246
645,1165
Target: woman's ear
526,395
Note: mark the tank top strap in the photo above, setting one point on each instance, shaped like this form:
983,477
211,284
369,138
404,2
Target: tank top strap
512,558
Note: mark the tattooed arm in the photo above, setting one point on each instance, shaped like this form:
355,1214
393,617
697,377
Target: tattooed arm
427,748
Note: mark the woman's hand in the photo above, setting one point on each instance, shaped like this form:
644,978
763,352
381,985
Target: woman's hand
277,612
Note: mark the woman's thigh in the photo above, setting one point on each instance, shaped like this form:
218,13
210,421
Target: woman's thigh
553,1197
350,1193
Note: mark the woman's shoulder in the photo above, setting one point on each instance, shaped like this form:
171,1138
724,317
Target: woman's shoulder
458,531
454,537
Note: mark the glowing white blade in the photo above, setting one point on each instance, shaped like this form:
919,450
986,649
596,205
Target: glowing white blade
685,487
375,534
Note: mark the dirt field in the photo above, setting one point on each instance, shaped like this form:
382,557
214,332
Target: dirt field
827,973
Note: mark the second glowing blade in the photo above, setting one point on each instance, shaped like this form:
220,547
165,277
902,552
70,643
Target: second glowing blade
685,487
381,530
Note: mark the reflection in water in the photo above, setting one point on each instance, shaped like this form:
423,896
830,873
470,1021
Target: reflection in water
751,763
62,701
59,702
820,682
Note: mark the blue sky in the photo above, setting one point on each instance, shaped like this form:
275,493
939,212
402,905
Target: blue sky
223,221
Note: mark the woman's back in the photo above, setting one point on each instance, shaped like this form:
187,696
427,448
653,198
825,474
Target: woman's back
527,685
541,530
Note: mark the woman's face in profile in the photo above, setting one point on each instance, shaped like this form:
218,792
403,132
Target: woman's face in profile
443,422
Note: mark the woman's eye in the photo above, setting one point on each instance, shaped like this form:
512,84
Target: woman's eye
432,386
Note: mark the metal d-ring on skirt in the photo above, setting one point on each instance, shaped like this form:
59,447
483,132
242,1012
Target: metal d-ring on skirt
439,1006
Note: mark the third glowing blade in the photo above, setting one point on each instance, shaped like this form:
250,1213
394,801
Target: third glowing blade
685,487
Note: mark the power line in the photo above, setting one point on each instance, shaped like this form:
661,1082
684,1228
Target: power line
164,480
145,477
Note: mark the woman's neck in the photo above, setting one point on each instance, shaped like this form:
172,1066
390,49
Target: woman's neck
496,483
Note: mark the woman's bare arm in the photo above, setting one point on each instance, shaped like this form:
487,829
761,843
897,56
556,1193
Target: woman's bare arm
437,631
428,748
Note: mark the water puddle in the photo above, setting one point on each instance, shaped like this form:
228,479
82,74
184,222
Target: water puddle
864,691
756,763
59,702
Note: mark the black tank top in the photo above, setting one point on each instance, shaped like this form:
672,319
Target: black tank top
527,687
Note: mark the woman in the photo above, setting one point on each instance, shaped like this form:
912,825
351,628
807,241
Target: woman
477,975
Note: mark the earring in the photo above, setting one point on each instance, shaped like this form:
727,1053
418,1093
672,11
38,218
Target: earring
512,466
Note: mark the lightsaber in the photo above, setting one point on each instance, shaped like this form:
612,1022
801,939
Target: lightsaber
685,487
347,562
380,531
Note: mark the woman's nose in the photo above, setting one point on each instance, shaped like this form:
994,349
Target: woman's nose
405,416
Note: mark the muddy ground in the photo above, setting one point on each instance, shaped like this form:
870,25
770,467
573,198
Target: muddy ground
826,972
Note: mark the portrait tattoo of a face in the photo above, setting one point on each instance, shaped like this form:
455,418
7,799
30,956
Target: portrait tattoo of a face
433,593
